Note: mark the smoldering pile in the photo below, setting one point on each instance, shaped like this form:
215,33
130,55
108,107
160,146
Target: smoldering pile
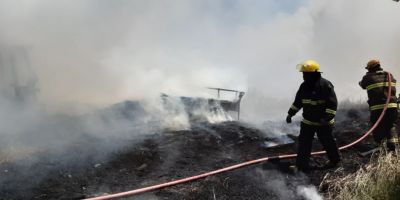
90,166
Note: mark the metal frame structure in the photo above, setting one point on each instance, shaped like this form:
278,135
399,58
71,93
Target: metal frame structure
236,103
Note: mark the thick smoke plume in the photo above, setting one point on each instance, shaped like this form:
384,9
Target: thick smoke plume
91,53
87,55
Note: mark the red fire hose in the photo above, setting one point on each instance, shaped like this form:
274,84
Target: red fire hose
279,157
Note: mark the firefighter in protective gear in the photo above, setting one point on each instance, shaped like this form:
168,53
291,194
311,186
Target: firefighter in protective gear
317,97
398,102
398,116
376,84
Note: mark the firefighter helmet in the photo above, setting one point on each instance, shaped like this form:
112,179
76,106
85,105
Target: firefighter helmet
372,64
308,66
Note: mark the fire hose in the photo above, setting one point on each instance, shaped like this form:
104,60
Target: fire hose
244,164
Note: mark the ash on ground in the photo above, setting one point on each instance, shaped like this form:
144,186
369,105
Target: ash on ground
171,155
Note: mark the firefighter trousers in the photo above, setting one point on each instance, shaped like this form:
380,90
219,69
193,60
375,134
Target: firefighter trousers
324,134
387,129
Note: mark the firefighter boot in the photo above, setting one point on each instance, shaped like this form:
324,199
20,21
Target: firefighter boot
393,140
331,164
392,143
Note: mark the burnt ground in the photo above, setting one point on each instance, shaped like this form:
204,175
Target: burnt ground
172,155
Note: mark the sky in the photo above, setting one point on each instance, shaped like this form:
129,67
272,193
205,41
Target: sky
97,52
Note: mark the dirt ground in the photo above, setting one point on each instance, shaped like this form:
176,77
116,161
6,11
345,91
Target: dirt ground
172,155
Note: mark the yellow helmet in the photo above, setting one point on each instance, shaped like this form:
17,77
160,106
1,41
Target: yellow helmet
308,66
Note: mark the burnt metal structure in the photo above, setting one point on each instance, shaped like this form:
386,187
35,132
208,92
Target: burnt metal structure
192,105
230,105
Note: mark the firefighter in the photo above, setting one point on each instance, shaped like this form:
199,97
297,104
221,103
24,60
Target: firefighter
398,116
376,84
398,102
317,97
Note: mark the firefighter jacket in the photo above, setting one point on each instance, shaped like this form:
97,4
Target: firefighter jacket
376,84
398,103
318,101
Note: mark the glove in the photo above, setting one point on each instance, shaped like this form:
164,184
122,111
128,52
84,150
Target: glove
289,119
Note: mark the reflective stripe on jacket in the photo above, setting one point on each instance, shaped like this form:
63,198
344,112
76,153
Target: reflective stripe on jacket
381,106
308,122
318,101
376,83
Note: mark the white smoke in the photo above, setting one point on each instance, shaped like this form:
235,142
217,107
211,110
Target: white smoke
284,186
97,53
90,54
309,193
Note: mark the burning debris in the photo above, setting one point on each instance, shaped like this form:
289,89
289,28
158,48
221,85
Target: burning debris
161,157
48,153
277,142
206,109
